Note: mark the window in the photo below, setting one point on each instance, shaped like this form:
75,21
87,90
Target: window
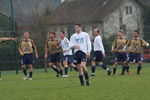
128,10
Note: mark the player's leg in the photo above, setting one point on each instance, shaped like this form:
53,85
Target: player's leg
78,60
52,66
58,60
93,68
52,60
139,62
93,62
115,67
65,64
30,71
129,59
30,62
71,64
85,72
24,71
104,66
58,64
65,68
117,60
80,70
23,66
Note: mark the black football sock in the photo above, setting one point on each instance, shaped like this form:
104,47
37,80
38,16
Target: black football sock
75,68
61,72
30,74
81,80
66,70
114,70
139,69
123,70
86,75
93,68
25,72
127,68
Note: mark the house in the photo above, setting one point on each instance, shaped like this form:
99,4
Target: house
108,15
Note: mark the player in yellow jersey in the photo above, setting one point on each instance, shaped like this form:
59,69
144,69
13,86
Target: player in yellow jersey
6,39
53,51
134,47
26,50
117,48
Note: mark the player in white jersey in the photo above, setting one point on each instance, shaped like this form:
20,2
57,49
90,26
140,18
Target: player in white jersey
82,44
98,53
67,52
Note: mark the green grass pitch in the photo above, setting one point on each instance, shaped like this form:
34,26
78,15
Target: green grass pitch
45,86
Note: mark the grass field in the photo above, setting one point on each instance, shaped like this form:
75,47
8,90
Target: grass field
45,86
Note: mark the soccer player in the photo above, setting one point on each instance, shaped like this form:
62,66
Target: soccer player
6,39
67,52
99,53
53,52
117,47
26,50
81,42
134,47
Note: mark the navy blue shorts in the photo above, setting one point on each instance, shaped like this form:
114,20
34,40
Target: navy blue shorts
97,56
69,59
120,56
134,56
53,58
27,59
79,57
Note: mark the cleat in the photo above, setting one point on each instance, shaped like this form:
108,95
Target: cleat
93,75
88,83
129,73
82,84
109,72
64,76
138,73
30,78
57,75
25,77
113,74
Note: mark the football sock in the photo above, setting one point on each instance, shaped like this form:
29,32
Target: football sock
93,68
139,69
114,70
66,70
25,72
81,80
30,74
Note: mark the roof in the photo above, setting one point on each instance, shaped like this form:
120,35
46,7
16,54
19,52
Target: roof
83,11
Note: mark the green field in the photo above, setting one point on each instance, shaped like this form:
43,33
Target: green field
45,86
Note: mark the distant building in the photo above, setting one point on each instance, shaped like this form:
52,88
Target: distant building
108,15
5,23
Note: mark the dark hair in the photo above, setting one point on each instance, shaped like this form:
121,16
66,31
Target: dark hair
52,33
78,25
137,31
62,32
97,30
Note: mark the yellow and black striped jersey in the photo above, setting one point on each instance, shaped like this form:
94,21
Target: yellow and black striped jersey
119,43
135,45
26,46
53,46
